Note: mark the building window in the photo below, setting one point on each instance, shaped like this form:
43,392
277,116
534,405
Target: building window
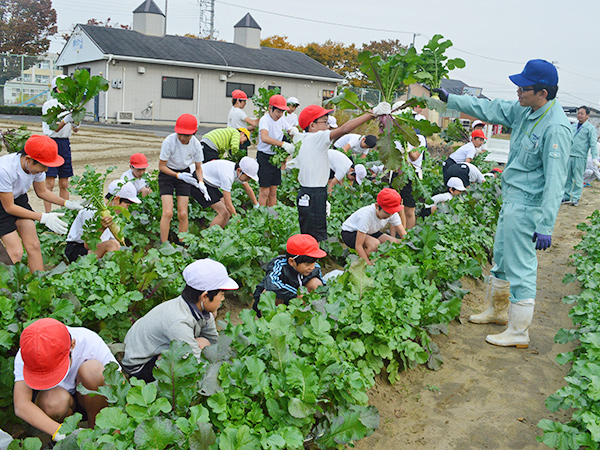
179,88
247,88
26,77
272,88
327,94
42,79
43,65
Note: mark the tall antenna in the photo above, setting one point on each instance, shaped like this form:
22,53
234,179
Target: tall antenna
206,25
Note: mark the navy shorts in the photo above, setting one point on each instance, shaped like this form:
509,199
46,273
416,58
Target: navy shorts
210,153
215,195
167,184
408,199
145,373
268,174
8,222
74,250
349,237
312,212
64,150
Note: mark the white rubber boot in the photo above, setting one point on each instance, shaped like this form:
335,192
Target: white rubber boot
497,311
519,320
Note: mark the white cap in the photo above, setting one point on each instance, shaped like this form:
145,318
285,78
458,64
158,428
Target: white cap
293,101
125,192
250,167
332,122
456,183
477,122
360,172
208,275
53,84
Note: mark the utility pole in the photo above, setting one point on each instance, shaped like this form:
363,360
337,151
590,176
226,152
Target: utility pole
206,26
412,45
166,1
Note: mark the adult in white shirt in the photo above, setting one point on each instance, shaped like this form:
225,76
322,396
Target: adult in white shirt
61,136
52,360
357,144
138,163
18,171
290,115
237,118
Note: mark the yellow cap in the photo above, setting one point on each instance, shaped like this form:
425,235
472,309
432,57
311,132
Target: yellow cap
245,131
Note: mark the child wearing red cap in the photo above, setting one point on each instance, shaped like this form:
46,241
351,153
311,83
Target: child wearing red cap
237,118
286,273
52,361
189,318
18,171
313,164
467,152
138,163
362,230
270,132
179,151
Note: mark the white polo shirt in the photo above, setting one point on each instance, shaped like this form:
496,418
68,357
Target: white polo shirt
13,178
219,173
339,163
275,130
88,346
366,221
463,153
179,156
313,159
354,140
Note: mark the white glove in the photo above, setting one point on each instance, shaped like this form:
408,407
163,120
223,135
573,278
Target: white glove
293,132
58,436
396,107
256,205
52,221
68,118
327,208
188,178
488,175
382,109
203,189
290,148
597,162
74,204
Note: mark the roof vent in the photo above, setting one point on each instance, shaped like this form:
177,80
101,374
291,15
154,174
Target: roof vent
247,32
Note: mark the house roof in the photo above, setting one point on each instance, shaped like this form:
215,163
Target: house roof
130,43
247,22
456,87
148,6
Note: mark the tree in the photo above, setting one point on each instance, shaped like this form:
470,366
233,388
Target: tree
25,29
276,41
384,48
96,23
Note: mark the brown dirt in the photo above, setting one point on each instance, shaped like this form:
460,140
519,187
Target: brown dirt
483,397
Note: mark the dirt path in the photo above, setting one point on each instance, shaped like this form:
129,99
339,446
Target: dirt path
487,397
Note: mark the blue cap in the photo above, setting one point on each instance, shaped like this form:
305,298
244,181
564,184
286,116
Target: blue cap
536,71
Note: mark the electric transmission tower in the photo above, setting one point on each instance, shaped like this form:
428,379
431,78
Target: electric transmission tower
206,25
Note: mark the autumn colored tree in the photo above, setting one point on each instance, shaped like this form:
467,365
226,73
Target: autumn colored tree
384,48
276,41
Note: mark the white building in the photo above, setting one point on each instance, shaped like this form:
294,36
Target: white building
158,77
33,87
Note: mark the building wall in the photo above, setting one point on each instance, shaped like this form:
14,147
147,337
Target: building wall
209,103
35,80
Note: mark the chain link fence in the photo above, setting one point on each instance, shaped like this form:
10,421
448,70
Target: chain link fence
25,80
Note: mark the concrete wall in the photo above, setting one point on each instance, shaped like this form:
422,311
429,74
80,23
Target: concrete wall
150,24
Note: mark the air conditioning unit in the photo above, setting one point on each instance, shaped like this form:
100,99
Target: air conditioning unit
125,117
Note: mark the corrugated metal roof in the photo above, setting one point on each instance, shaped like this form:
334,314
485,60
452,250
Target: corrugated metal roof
120,42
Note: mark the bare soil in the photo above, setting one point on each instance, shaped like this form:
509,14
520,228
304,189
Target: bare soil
483,397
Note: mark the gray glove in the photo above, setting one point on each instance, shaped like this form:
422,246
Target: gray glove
53,222
203,189
290,148
188,178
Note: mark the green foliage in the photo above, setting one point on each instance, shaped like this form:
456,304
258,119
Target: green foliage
434,65
74,93
261,106
455,132
14,139
21,110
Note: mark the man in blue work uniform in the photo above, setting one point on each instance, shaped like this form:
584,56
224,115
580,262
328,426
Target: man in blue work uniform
584,141
532,189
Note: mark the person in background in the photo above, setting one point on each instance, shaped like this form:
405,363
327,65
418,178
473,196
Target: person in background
340,167
467,152
357,144
455,187
189,318
584,143
237,118
18,171
532,187
332,122
478,125
224,143
61,136
290,115
138,163
52,360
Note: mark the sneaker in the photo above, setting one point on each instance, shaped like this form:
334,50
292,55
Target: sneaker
565,201
587,185
575,203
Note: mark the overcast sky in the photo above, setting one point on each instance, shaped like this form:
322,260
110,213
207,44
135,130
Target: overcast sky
495,38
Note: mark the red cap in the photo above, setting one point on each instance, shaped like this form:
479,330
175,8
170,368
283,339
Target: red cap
390,200
279,102
239,94
45,349
44,150
310,114
478,133
186,124
304,245
138,161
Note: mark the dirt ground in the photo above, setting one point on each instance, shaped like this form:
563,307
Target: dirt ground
483,397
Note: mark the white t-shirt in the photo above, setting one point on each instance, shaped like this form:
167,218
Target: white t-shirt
292,119
339,163
440,198
418,163
220,173
236,117
76,230
64,132
13,178
366,221
463,153
275,130
88,345
354,140
179,156
475,175
419,117
313,159
139,183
